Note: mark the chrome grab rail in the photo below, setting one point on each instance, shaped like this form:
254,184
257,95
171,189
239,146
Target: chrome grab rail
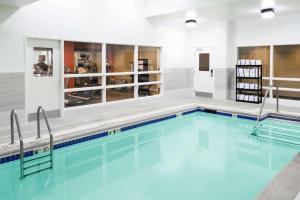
14,117
264,101
39,110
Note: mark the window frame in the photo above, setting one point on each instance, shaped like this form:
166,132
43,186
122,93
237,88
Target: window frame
271,97
103,74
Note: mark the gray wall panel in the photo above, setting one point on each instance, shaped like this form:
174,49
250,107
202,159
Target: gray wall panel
12,91
175,78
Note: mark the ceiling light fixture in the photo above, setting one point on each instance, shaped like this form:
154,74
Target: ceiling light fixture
191,19
191,23
267,13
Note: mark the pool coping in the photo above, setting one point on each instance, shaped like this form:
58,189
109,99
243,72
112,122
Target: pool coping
63,138
285,185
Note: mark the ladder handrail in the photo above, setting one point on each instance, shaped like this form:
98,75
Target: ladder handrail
40,108
14,117
264,101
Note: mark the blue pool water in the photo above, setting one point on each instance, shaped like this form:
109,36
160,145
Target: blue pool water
197,156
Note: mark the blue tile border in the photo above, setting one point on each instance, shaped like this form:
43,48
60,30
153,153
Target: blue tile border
15,157
80,140
227,114
247,117
140,124
191,111
264,117
89,137
133,126
284,118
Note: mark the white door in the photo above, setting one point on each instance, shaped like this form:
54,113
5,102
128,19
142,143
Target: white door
42,77
203,72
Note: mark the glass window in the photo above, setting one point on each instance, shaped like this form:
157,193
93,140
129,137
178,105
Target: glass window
258,53
287,84
119,58
148,58
287,65
149,90
79,82
148,77
81,61
82,57
43,59
115,94
287,94
203,61
118,80
287,61
83,98
291,95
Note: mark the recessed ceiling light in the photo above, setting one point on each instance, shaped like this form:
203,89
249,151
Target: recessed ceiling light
191,19
191,23
267,13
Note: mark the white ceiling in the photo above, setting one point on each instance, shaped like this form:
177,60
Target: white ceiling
16,3
160,7
231,10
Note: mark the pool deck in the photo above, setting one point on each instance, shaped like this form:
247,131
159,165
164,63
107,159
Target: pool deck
80,119
285,185
79,122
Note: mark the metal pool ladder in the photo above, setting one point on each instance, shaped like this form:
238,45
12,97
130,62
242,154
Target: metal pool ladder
263,105
23,162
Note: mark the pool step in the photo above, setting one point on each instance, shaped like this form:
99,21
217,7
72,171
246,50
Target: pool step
37,164
278,137
282,124
279,130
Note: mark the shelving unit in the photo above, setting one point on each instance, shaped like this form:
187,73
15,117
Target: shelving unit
143,65
249,83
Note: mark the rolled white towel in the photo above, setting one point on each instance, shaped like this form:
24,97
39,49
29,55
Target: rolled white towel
246,72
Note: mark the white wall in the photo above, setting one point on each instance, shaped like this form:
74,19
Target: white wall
91,20
209,35
174,47
98,20
279,30
179,46
179,43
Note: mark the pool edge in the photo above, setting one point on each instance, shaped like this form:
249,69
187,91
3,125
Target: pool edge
14,155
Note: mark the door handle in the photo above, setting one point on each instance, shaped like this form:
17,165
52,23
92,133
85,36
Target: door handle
211,73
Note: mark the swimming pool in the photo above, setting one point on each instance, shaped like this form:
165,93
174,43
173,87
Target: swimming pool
196,156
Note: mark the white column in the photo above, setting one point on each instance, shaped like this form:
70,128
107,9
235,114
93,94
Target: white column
62,80
271,68
104,72
135,66
161,71
26,62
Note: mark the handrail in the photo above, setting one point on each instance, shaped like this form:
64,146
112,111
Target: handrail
14,117
264,101
40,108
